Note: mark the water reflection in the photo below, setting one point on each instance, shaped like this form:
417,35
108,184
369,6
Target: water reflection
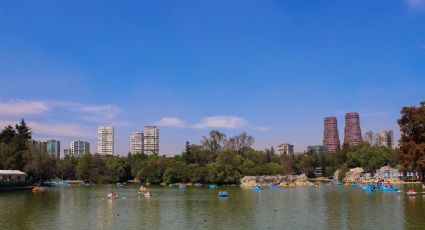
201,208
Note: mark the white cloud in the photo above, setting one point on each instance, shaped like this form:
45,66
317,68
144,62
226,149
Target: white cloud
97,113
228,122
170,122
416,4
21,107
263,128
54,129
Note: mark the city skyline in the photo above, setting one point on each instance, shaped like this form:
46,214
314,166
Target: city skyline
274,69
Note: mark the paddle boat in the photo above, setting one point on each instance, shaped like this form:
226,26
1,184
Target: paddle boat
411,192
369,188
119,185
257,188
388,188
198,184
273,186
355,184
223,194
143,189
212,186
147,194
317,185
338,183
112,195
182,186
346,184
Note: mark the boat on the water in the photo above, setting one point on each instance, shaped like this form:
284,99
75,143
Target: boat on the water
411,192
273,186
257,188
147,194
112,195
369,188
223,194
212,186
388,188
143,189
182,186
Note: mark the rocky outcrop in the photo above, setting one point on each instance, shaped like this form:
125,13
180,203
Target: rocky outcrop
354,175
285,181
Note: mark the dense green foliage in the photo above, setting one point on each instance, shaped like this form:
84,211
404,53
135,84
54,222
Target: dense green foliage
217,159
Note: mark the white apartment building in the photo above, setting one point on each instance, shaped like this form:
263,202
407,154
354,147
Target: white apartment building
387,138
151,140
105,140
78,148
136,142
286,149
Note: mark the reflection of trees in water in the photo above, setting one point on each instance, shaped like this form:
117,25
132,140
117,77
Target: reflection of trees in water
25,210
414,210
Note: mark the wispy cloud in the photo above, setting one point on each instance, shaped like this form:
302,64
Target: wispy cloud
416,4
170,122
263,128
87,112
55,129
227,122
421,46
97,113
21,107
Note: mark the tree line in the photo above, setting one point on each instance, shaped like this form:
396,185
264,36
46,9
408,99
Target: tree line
216,159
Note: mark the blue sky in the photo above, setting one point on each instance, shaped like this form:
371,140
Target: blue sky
274,69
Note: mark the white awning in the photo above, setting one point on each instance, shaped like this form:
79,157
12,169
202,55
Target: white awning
11,172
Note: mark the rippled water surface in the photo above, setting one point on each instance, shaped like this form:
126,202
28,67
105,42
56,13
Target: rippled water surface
200,208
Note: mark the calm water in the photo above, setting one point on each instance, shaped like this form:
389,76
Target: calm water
200,208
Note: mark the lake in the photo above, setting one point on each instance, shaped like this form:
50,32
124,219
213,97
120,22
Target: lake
200,208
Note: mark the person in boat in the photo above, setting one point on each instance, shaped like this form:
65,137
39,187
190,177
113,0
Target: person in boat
411,190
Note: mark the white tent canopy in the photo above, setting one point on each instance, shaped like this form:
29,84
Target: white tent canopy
11,172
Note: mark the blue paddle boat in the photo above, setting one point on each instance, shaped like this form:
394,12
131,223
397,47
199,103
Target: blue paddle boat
368,189
223,194
212,186
273,186
257,188
182,186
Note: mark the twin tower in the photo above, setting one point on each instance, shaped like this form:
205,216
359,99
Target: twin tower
353,133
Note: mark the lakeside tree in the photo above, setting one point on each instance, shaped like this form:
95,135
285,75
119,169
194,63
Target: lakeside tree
215,159
411,153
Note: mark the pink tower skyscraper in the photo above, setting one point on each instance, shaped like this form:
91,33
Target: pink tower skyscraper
330,135
353,133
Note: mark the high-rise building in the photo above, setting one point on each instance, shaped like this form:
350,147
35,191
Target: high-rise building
78,148
387,138
66,152
136,142
53,148
330,135
286,149
151,140
105,140
317,149
39,146
353,133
